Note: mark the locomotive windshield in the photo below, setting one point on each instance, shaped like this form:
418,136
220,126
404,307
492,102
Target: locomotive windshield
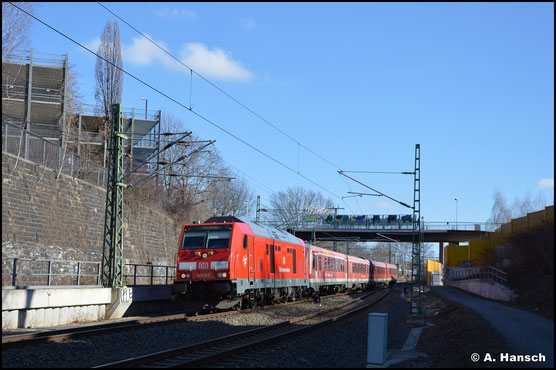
207,237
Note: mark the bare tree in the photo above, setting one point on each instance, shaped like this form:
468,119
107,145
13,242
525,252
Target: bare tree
501,213
290,206
15,27
521,207
72,96
230,198
108,75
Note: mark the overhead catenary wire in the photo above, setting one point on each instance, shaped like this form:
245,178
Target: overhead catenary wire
389,197
178,103
215,86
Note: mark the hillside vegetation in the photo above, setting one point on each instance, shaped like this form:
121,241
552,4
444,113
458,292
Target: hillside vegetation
531,273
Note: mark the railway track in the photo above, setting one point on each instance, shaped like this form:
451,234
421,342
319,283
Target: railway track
208,353
23,340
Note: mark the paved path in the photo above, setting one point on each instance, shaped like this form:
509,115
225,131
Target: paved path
525,332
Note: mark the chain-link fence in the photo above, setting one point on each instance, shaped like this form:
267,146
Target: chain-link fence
25,144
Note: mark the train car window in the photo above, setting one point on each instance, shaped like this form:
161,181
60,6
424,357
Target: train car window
219,239
272,260
314,261
294,263
245,241
267,249
320,263
194,240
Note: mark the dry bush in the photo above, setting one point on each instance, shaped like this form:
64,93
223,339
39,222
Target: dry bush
532,253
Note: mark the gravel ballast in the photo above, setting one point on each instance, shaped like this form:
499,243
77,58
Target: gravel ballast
93,351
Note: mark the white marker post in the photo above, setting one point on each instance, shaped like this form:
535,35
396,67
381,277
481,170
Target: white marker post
377,339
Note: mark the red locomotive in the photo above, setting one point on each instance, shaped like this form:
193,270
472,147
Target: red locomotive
226,263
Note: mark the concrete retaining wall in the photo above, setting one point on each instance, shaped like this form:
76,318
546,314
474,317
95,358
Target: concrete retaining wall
34,307
485,288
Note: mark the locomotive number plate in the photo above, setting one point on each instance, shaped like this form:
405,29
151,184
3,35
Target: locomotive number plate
204,265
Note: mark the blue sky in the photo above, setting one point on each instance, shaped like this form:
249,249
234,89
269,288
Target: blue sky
357,83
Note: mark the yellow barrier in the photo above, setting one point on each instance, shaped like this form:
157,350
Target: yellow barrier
433,266
483,252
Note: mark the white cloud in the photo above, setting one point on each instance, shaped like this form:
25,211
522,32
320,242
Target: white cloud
385,205
546,183
176,13
213,63
249,24
92,45
142,52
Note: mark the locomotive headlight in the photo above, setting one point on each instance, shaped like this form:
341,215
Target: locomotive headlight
219,274
224,274
183,276
187,276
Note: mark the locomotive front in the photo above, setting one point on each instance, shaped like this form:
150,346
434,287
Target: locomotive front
203,263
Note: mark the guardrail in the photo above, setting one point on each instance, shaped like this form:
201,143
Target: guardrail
485,272
381,222
50,272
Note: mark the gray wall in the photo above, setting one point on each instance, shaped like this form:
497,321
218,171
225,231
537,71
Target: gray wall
48,218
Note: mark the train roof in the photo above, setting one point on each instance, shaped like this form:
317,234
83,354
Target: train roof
273,233
383,264
259,230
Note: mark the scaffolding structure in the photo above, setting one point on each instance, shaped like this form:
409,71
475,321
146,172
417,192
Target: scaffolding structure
35,97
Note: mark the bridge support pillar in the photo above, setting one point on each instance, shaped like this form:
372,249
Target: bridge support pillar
441,252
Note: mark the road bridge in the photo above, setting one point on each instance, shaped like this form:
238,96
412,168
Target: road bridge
386,228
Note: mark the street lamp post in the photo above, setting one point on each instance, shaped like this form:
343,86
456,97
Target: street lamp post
456,199
146,102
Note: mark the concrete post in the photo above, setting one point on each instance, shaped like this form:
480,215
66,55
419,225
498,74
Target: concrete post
377,338
29,98
441,251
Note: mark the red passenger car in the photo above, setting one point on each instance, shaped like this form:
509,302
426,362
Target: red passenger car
226,263
383,274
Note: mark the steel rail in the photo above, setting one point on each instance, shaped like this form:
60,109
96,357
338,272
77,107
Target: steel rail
198,354
53,336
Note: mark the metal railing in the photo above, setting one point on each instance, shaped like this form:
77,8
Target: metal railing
42,58
148,278
37,272
485,272
376,222
49,272
26,144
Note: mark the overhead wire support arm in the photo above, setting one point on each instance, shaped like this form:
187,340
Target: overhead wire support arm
384,195
169,145
223,178
154,133
387,172
361,194
172,163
